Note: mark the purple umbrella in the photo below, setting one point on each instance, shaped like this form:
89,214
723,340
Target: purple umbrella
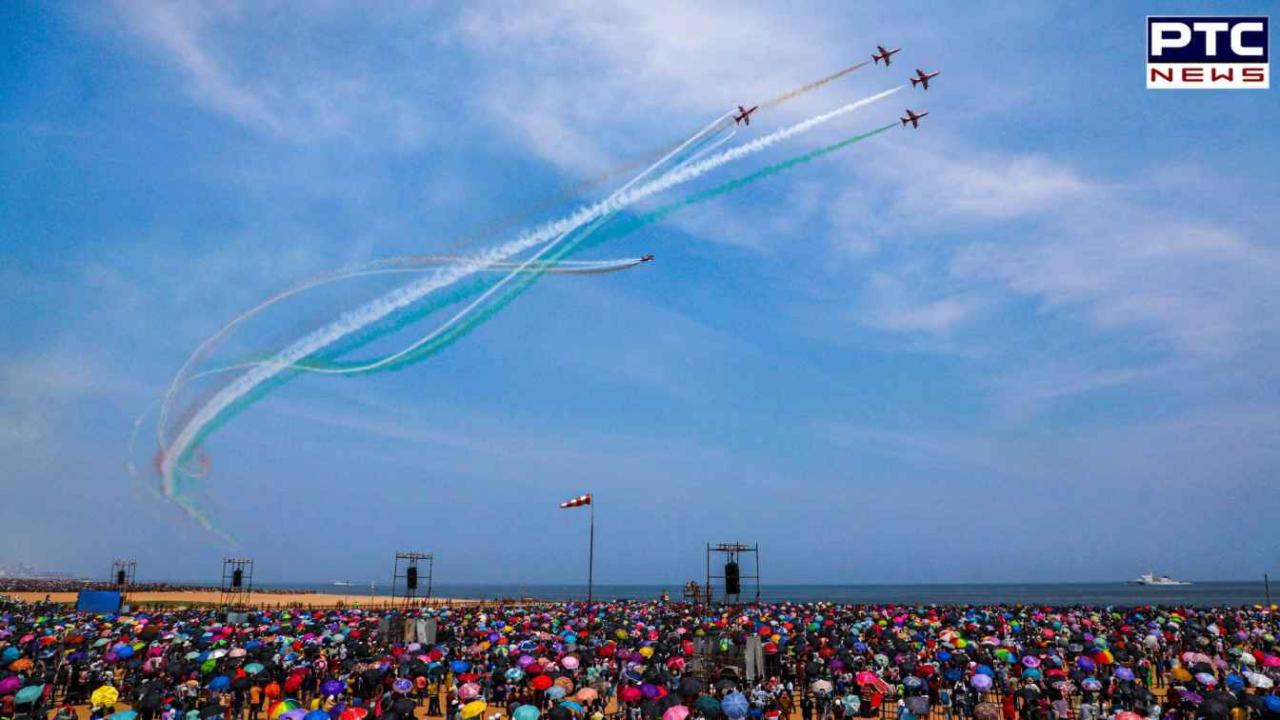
332,688
1124,673
1031,661
980,682
1190,697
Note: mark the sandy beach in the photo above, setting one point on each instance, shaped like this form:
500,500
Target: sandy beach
265,599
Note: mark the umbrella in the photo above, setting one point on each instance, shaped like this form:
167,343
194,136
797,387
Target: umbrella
629,694
918,705
708,706
404,685
820,686
1123,673
525,712
316,715
10,685
586,694
691,686
676,712
104,696
735,705
1260,681
555,692
1190,697
473,709
573,707
981,683
220,683
124,715
28,694
332,688
353,713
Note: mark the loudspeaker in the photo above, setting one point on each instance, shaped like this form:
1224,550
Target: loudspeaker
411,577
237,578
732,579
120,577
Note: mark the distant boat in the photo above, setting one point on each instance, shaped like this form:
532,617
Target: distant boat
343,583
1151,579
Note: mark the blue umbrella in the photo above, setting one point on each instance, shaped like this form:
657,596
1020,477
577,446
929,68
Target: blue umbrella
1123,673
459,666
525,712
123,715
220,683
735,705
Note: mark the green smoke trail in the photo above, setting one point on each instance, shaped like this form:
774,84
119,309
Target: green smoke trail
586,237
590,237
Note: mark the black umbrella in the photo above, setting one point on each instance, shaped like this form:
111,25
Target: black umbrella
212,710
1223,697
404,707
690,686
1213,710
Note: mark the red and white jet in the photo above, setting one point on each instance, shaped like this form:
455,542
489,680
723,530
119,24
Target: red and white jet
922,78
744,115
884,55
913,118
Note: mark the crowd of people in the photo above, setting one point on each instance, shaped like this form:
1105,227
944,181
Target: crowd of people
643,661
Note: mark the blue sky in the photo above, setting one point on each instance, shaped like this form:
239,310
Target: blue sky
1034,340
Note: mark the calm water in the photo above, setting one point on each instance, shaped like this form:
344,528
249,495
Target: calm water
1209,593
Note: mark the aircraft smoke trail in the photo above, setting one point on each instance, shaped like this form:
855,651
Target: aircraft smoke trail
432,343
681,174
256,381
404,264
809,86
437,341
261,378
591,182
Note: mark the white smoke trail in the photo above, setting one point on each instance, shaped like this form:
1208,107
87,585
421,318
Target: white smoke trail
549,233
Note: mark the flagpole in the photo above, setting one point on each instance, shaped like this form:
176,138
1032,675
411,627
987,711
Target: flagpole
591,554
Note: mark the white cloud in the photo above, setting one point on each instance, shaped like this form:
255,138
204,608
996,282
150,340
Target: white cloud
595,72
237,65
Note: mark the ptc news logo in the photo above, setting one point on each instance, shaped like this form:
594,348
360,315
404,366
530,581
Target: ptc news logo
1207,52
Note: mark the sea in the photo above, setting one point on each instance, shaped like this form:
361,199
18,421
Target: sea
1099,594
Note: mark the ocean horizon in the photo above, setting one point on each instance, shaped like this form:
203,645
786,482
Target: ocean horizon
1063,593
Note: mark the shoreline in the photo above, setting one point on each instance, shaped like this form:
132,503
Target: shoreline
257,600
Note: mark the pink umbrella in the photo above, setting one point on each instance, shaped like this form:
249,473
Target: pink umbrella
676,712
468,691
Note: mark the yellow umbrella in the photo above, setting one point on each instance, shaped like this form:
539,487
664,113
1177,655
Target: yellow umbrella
104,696
473,709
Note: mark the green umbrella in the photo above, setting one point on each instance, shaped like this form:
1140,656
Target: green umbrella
708,706
253,668
30,693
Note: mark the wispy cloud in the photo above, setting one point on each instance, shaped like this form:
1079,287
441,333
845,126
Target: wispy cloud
235,64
